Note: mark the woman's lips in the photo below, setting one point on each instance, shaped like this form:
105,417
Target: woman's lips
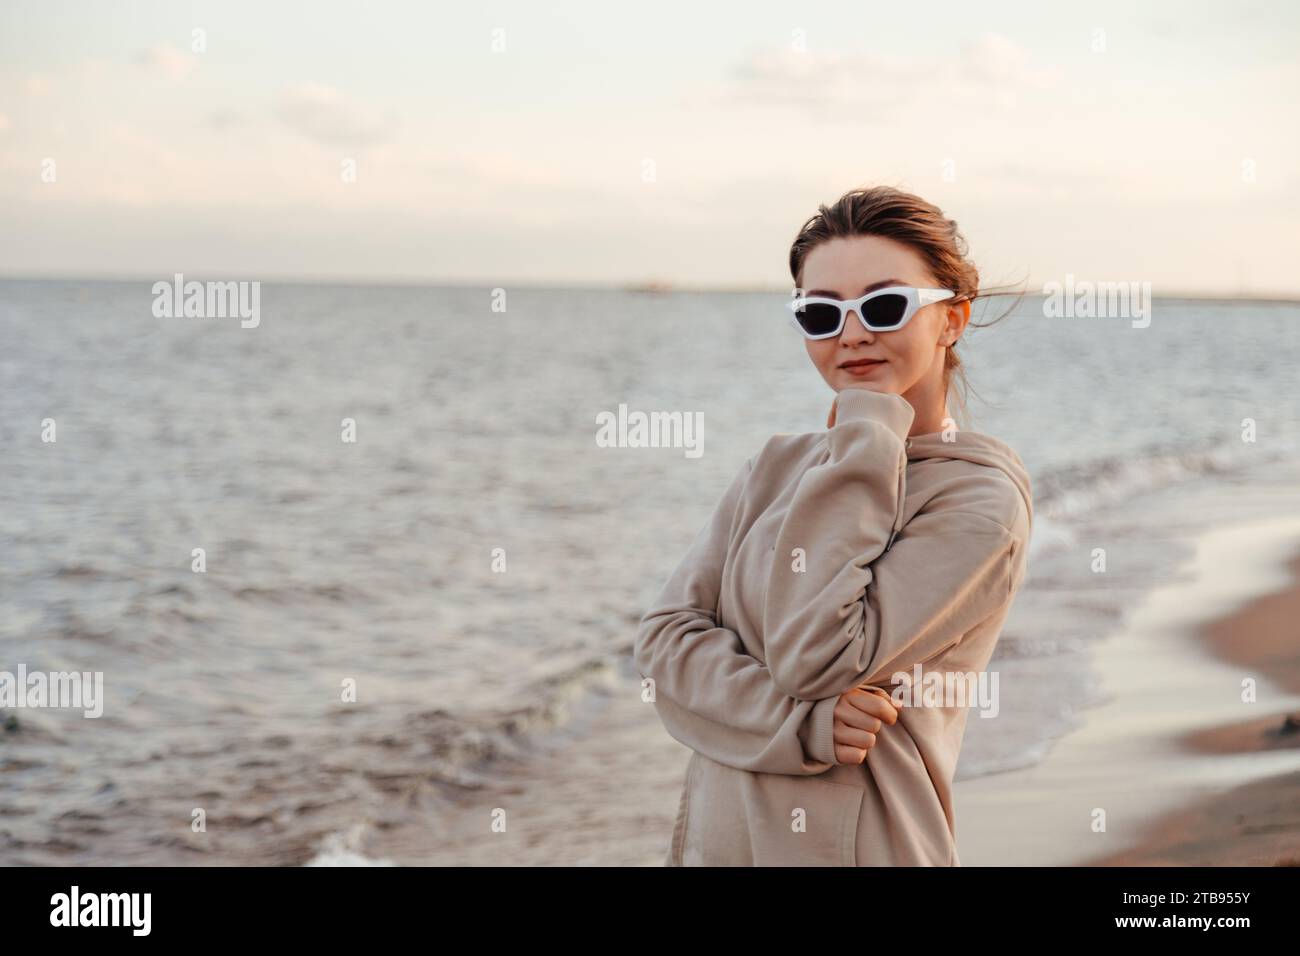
861,368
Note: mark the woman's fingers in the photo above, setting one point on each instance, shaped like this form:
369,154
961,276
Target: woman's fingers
854,752
849,715
860,714
851,736
871,701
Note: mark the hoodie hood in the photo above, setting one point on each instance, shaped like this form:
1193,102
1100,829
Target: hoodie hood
979,449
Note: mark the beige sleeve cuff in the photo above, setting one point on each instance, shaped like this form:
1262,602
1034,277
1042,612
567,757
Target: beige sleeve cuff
821,744
893,411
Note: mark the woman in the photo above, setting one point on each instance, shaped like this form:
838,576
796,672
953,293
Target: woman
836,560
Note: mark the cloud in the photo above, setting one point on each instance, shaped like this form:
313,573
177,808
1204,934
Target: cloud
996,61
324,115
36,84
223,119
990,69
168,60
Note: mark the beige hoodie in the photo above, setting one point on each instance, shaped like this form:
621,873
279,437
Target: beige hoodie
834,559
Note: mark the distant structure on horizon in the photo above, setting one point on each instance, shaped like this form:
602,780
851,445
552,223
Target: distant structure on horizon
649,285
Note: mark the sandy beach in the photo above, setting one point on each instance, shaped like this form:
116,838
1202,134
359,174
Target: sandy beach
1183,775
1257,824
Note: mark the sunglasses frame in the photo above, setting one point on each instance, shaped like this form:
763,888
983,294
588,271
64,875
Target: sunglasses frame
917,299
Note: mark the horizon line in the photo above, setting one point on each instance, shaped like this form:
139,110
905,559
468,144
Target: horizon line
645,286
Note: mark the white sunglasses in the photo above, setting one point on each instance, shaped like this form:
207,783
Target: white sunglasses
881,311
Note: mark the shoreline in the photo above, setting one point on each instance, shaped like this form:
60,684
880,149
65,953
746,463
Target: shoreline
1170,765
1257,823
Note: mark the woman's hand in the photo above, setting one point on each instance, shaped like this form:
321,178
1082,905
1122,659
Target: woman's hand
859,716
830,419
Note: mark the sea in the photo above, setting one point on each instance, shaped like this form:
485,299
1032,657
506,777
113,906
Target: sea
374,544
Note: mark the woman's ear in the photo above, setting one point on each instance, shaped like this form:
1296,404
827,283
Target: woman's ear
963,316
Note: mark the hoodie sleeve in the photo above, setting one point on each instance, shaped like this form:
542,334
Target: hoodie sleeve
710,694
858,609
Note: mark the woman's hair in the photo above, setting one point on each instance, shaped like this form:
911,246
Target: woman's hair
903,217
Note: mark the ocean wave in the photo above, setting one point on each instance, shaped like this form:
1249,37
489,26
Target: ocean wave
294,593
458,746
1074,489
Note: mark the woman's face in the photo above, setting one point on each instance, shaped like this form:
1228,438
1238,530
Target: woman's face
909,361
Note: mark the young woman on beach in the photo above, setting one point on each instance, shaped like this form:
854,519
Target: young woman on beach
891,541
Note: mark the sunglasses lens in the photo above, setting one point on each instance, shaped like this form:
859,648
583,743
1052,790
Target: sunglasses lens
818,318
884,311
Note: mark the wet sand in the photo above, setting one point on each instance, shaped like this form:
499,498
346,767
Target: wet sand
1257,824
1175,766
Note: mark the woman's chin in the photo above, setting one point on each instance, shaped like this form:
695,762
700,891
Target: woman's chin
874,377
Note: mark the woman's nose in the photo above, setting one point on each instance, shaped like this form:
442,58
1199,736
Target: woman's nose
854,330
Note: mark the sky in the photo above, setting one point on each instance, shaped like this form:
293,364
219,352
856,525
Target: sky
601,144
